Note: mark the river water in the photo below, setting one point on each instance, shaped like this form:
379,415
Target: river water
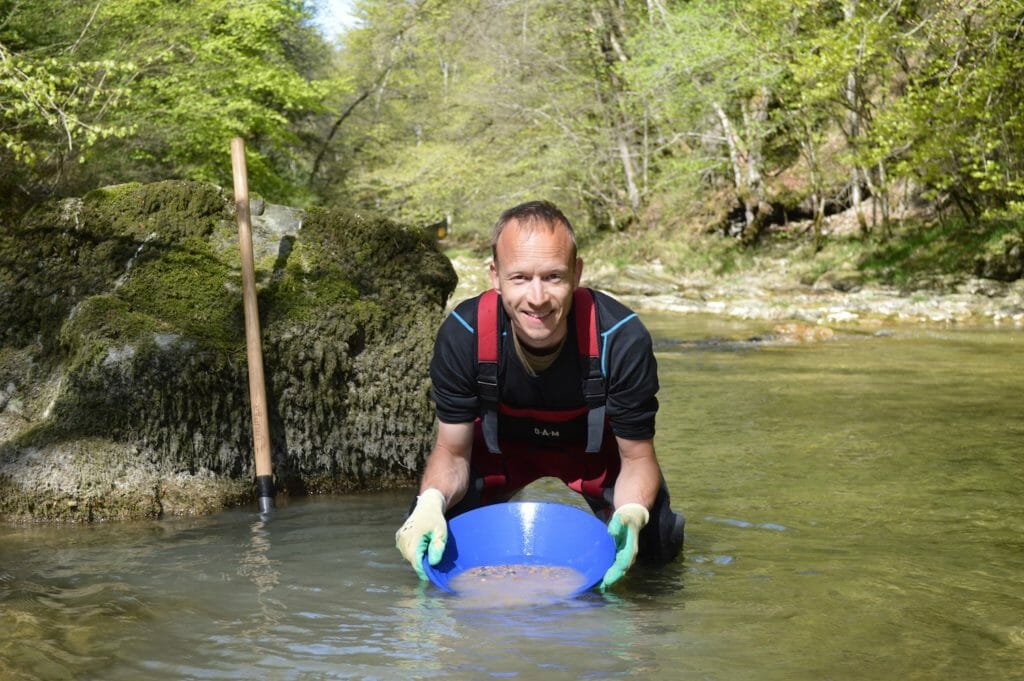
855,511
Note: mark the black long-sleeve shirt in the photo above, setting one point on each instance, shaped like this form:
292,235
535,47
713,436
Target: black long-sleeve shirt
628,365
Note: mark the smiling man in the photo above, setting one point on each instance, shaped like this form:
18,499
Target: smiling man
540,377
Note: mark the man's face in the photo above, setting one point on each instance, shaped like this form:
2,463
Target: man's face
536,276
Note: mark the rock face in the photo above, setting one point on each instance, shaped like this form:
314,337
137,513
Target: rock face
123,380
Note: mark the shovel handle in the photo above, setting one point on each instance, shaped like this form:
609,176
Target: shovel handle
253,347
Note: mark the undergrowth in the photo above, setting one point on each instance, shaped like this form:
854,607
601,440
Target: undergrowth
911,251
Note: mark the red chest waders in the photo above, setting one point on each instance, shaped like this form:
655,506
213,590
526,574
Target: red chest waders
590,358
577,451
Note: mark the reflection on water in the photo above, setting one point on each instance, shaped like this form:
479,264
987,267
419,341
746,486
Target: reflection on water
854,511
257,566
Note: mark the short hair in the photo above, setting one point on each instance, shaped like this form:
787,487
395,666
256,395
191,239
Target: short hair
530,214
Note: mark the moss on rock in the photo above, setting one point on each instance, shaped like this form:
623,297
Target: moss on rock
66,251
128,304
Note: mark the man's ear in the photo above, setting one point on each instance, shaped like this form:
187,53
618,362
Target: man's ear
578,273
492,269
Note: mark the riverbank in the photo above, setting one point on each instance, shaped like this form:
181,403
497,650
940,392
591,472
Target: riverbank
924,269
775,292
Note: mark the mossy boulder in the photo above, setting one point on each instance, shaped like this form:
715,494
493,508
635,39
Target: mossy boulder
123,378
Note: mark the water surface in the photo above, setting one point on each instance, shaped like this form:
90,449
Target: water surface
854,512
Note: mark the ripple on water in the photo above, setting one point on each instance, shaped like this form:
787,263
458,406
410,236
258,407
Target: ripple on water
735,522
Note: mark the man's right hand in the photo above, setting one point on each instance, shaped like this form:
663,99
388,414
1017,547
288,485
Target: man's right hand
424,531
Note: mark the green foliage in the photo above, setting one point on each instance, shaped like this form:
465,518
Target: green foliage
52,96
628,114
621,110
232,73
144,90
472,108
957,127
944,247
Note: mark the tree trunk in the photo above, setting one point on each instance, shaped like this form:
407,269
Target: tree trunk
746,162
732,142
817,187
853,121
612,28
882,195
630,172
755,115
740,173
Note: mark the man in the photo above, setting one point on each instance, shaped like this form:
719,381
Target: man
544,378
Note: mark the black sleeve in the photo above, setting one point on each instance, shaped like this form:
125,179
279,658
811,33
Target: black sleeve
453,367
632,374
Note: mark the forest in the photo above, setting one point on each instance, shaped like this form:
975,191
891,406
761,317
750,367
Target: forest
678,120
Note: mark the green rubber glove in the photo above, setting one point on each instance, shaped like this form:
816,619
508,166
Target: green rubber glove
624,527
424,531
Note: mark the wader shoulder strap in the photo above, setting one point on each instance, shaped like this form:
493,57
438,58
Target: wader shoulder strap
487,366
587,341
590,356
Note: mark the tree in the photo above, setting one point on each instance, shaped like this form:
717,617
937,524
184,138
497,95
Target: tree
712,71
209,70
54,104
477,105
155,89
956,128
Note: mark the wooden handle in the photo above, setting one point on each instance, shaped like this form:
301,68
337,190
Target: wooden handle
254,349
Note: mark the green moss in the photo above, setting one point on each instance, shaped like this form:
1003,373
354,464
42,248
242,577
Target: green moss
380,256
300,295
362,272
132,295
11,365
47,269
184,286
170,210
65,251
107,318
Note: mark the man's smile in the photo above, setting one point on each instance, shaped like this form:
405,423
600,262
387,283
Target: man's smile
538,316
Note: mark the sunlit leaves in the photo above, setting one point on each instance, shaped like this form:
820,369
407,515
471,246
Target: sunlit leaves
151,89
59,99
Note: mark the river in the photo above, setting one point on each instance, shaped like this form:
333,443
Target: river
854,512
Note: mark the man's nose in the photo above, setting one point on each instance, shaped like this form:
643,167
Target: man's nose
535,292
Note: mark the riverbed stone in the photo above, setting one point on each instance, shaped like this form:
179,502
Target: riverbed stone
990,288
123,378
845,281
795,332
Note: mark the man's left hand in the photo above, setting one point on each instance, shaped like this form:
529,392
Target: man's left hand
624,527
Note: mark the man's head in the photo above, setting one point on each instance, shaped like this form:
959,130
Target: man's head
531,215
536,270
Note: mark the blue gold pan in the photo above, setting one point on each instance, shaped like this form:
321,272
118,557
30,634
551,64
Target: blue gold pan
543,534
